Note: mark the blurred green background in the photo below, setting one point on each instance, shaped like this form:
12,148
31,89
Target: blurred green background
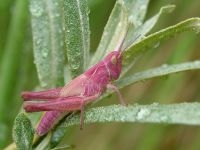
18,73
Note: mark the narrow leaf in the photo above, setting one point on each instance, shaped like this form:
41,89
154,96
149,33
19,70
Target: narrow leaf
57,136
48,41
124,12
44,144
183,113
23,132
77,35
154,39
64,147
153,73
158,72
116,27
144,28
141,31
136,11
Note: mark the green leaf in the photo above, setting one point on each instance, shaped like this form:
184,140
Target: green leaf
123,13
136,10
44,144
48,41
23,132
183,113
158,72
154,39
141,31
116,26
77,35
57,136
144,28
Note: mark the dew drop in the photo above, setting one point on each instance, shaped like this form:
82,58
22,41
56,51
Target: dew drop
164,65
68,42
36,11
142,113
57,15
38,41
142,7
136,104
121,2
123,118
131,18
156,45
196,29
43,84
155,104
56,3
105,33
44,54
197,62
164,118
119,24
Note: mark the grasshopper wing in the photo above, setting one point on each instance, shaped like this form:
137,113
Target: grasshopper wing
75,87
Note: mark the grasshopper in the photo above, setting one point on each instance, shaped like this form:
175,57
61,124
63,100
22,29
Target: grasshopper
82,90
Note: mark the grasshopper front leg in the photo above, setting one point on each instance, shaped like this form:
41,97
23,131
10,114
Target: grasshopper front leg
113,87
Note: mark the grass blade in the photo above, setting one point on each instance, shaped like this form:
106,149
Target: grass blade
183,113
154,39
137,11
143,29
116,27
48,41
158,72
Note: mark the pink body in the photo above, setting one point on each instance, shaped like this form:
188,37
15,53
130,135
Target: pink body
74,95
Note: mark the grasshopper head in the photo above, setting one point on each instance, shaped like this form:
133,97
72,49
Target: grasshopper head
114,64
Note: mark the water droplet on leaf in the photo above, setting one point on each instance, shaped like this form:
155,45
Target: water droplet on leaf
143,113
44,54
142,7
164,65
156,45
155,104
164,118
36,11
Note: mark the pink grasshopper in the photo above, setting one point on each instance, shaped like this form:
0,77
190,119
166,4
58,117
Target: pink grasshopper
76,94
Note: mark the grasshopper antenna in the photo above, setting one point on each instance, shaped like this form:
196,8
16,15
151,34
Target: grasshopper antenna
137,37
120,45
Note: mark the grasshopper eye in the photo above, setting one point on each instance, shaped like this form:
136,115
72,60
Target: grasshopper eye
114,60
